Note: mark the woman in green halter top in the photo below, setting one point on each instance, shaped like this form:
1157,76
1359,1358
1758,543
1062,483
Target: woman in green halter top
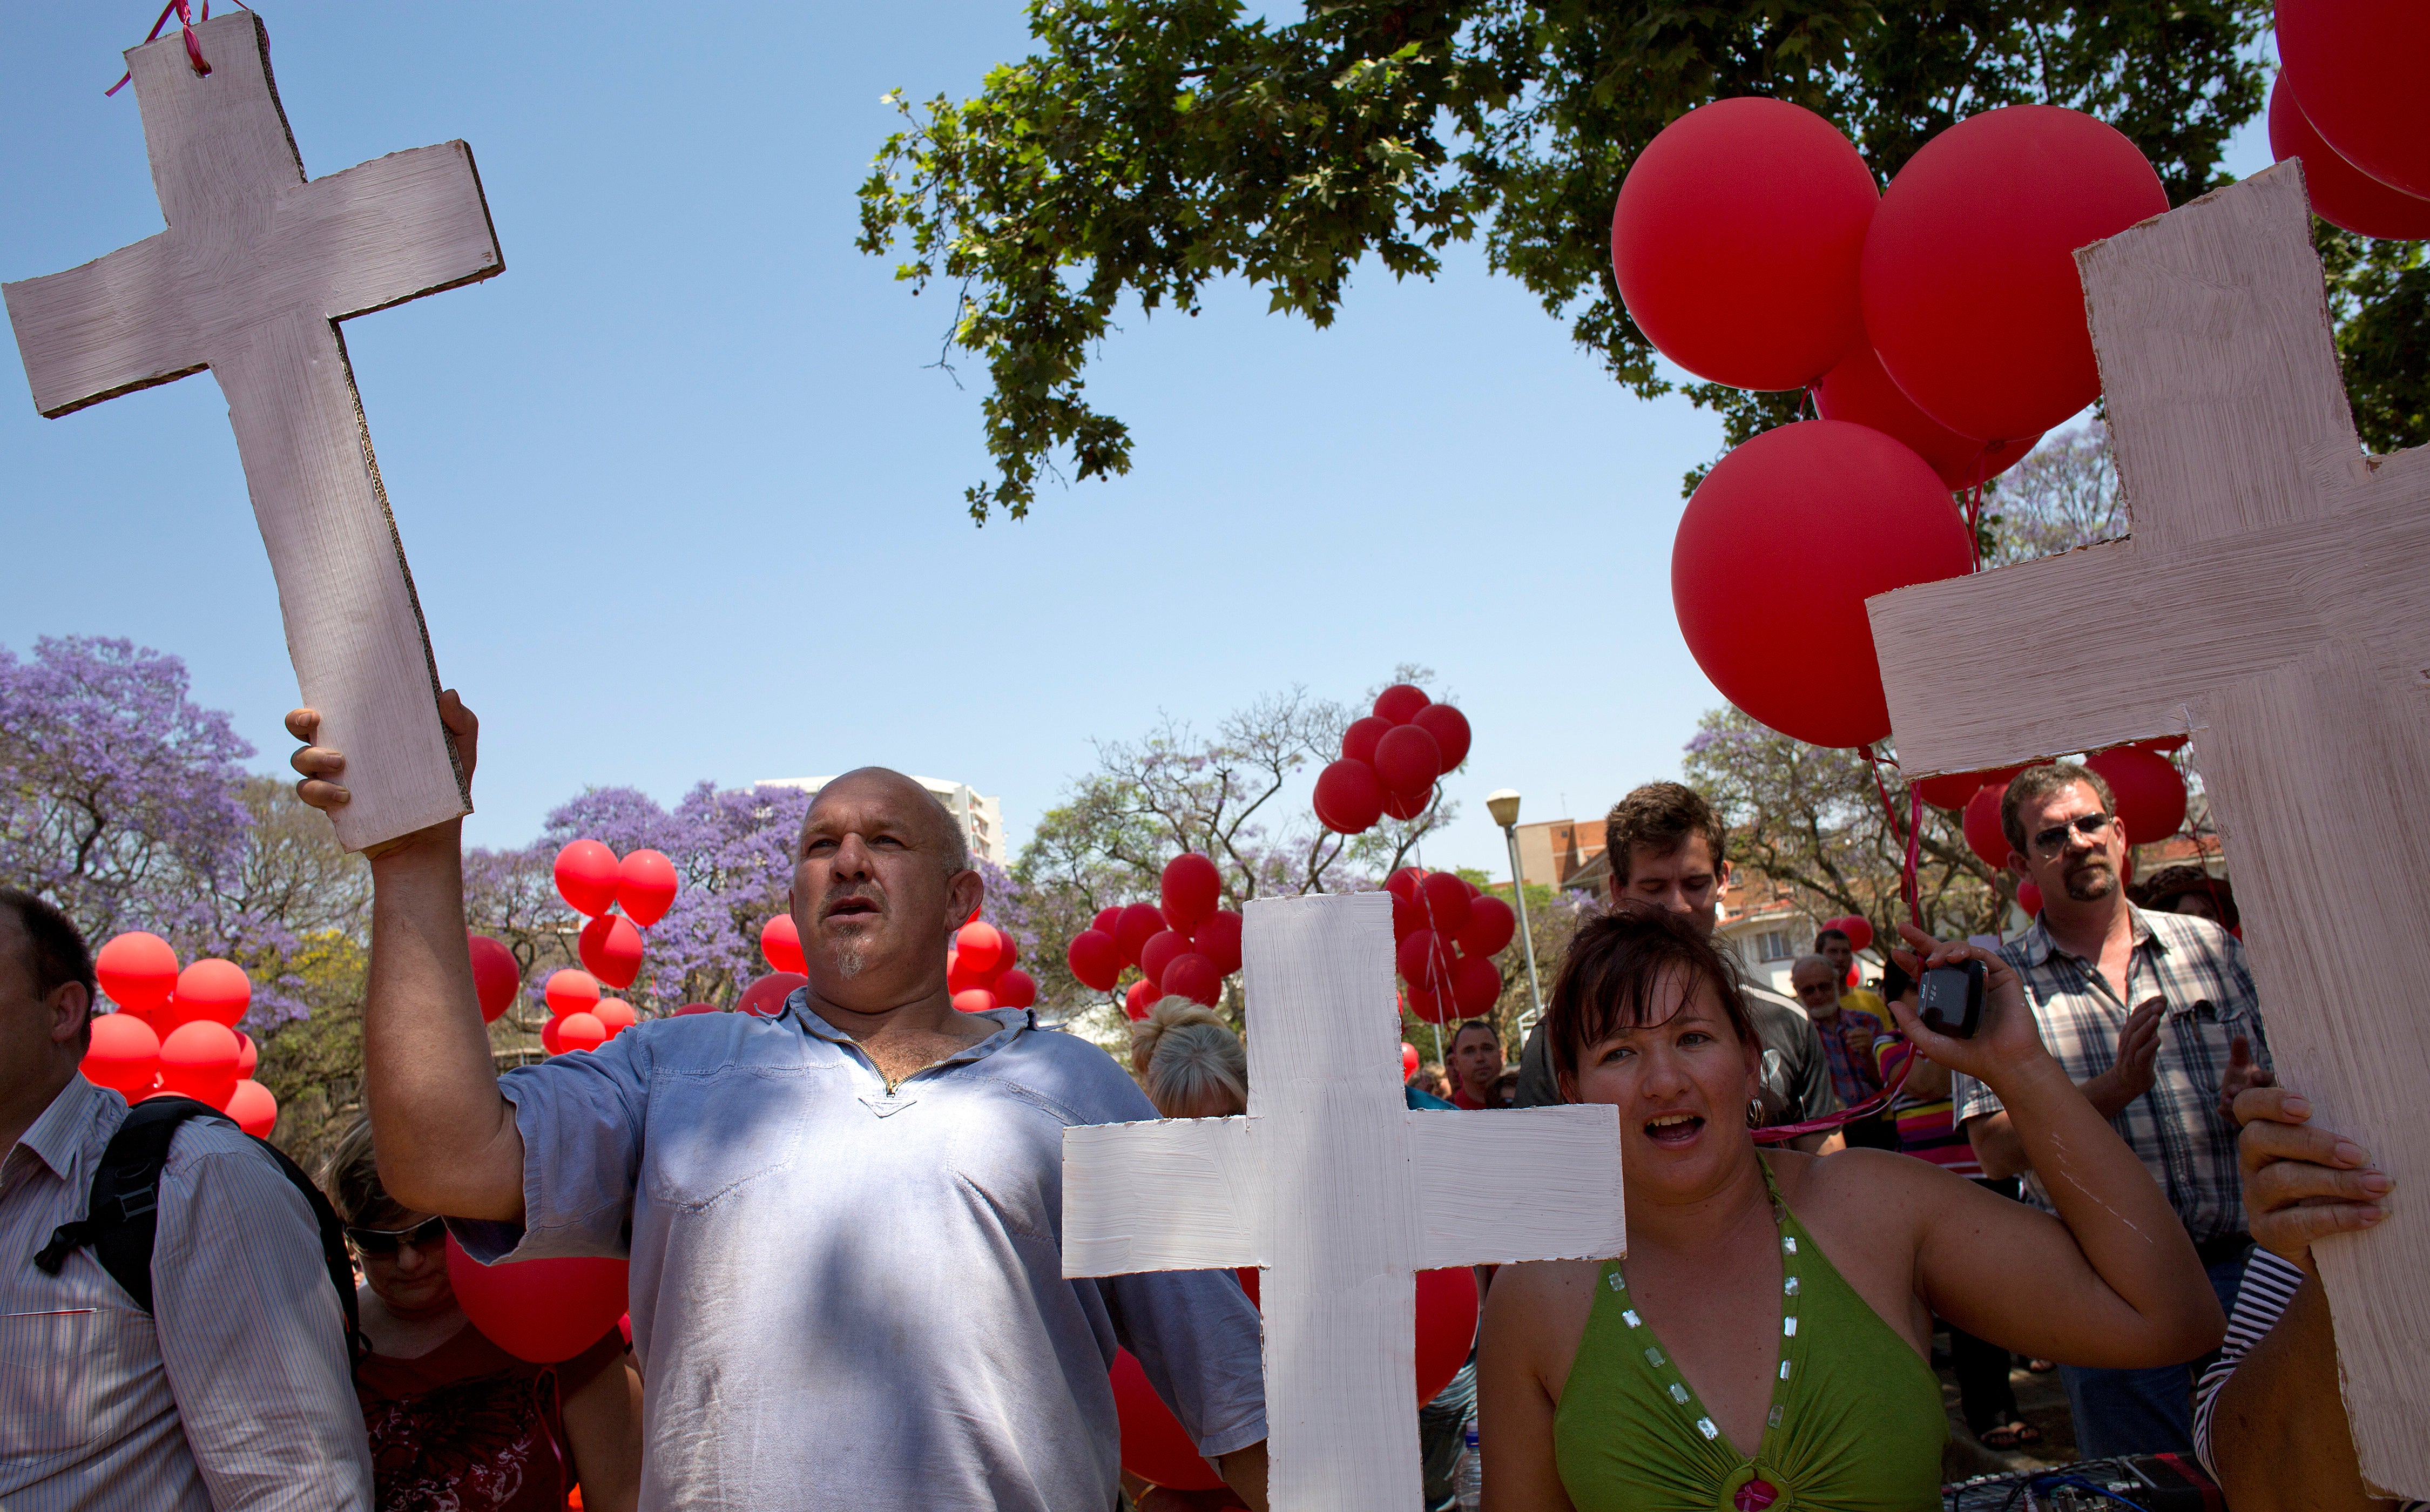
1762,1346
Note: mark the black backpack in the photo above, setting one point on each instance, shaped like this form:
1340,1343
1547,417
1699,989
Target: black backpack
121,1215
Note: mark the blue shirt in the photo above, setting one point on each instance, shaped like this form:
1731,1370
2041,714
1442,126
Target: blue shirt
850,1298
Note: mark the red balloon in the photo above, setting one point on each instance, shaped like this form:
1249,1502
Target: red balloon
1095,960
1860,514
1016,990
645,885
587,876
1403,883
1970,285
1011,952
1449,728
615,1015
2342,194
1984,835
570,991
1446,903
981,947
1429,1007
1736,242
1859,928
1475,985
496,975
691,1009
2356,65
1408,1061
138,970
1951,793
1154,1446
2164,743
1193,890
210,989
1409,760
1425,959
124,1054
198,1060
974,1000
543,1311
780,941
1140,924
1407,914
1400,703
1491,925
248,1055
580,1031
2151,795
1857,391
766,997
1446,1327
254,1108
1358,740
1349,797
548,1044
610,949
1409,805
2029,898
1141,997
1193,976
1106,922
1159,951
1219,941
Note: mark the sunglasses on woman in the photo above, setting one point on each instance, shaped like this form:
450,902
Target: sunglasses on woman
421,1236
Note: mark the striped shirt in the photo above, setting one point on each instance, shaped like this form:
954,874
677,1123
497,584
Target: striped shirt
233,1393
2269,1288
1927,1129
2176,1129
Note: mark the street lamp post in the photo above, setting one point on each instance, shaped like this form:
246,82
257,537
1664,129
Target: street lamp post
1504,805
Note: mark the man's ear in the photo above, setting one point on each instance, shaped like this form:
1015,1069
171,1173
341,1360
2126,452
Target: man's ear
71,1004
1721,873
964,893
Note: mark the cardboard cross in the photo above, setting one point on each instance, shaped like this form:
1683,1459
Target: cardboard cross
249,280
2274,603
1342,1193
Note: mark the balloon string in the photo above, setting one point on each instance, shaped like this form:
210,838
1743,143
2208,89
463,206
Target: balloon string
186,24
1783,1133
1909,891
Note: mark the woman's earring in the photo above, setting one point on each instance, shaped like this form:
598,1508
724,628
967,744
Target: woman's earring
1755,1112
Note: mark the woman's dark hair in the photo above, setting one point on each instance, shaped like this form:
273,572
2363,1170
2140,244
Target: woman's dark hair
1609,978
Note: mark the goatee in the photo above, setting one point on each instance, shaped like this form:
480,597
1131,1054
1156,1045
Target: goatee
2088,884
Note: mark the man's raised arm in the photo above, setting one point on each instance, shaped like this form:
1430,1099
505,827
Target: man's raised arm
447,1140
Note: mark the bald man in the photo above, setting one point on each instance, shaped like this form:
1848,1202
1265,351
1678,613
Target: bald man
845,1221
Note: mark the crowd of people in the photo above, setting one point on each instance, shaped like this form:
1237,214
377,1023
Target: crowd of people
844,1220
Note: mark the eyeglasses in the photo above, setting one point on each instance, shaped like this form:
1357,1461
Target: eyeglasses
2089,825
422,1236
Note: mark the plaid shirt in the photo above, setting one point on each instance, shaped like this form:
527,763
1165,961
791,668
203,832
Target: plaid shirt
2175,1128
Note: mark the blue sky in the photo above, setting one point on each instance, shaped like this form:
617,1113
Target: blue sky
682,493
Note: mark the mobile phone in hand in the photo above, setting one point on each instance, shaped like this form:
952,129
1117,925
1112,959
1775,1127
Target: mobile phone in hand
1950,999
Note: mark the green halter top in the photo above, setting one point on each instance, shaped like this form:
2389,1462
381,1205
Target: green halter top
1856,1421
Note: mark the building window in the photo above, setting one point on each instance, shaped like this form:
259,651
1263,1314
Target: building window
1772,945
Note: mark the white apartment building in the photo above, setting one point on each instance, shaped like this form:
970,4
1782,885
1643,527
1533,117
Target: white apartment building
981,817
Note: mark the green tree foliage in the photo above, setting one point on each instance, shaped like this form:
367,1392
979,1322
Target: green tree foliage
1146,149
2379,298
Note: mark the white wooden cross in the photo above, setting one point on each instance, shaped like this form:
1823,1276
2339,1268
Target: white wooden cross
249,280
2273,601
1342,1193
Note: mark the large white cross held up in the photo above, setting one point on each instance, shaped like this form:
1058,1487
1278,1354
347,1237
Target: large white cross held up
1341,1194
257,267
2274,603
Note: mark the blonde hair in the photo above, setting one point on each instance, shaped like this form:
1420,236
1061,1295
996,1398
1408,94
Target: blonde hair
1189,1060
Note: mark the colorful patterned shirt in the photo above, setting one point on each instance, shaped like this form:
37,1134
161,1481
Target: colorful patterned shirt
2176,1128
1848,1039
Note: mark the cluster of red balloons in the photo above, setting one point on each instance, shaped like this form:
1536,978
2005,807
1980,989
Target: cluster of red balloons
980,973
174,1032
595,884
1445,934
1391,761
1940,326
1184,946
2347,71
1154,1447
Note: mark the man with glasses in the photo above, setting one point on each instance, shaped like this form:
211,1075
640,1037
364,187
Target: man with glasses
2154,1016
230,1390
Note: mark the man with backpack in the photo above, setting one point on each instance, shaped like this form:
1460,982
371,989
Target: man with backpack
218,1375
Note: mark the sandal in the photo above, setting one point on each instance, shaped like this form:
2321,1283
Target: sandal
2041,1367
2014,1433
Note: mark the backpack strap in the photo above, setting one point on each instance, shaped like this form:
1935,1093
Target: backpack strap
122,1217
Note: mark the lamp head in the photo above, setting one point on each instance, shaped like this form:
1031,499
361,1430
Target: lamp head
1503,804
